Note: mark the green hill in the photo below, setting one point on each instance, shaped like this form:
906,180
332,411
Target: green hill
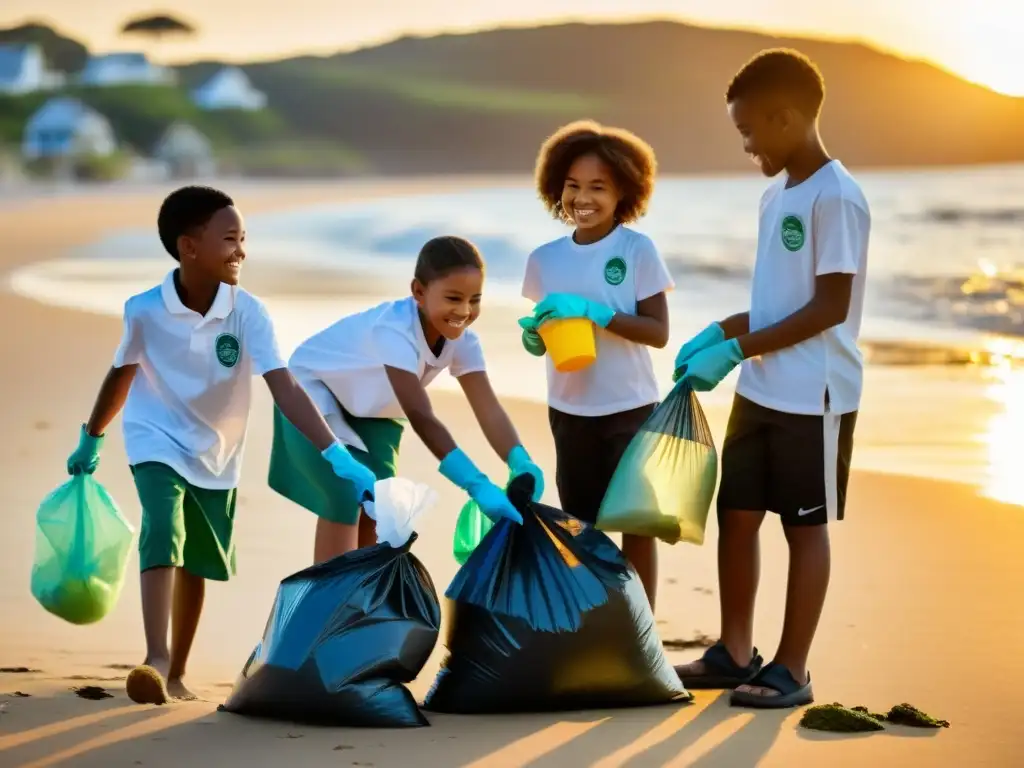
484,101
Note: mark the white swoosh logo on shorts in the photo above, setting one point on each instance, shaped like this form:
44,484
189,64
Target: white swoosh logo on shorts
801,512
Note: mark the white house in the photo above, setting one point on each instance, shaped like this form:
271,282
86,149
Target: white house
23,70
185,151
124,69
229,88
65,127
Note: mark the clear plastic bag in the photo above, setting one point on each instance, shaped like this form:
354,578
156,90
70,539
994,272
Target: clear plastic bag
666,479
81,551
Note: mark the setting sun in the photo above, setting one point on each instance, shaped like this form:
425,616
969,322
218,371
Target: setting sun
985,44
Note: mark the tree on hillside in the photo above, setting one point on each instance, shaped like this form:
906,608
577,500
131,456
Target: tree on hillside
157,27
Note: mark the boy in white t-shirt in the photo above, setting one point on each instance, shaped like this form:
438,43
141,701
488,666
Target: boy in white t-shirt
789,441
598,180
369,371
183,373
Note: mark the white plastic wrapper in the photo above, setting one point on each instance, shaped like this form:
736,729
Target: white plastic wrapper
397,507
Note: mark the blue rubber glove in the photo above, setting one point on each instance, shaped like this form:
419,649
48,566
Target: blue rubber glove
346,466
710,336
520,463
706,369
86,456
560,306
532,342
493,502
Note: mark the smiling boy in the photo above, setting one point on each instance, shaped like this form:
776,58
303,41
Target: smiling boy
183,374
789,440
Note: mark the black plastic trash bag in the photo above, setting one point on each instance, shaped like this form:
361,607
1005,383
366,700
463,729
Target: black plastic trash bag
343,636
666,478
549,616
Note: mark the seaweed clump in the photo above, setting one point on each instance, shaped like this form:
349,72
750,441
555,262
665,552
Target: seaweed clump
874,715
838,719
908,714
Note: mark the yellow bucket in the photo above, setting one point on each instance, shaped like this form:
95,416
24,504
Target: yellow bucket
570,343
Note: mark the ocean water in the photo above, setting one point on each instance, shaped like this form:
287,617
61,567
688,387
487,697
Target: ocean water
944,317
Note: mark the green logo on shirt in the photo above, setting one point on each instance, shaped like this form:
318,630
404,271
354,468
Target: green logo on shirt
615,271
792,233
227,348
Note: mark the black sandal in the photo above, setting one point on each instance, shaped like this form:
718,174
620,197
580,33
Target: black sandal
777,678
721,672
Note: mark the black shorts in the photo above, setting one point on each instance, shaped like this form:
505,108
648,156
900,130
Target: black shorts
587,451
792,464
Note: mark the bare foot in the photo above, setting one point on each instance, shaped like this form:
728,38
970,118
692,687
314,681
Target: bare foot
177,690
146,684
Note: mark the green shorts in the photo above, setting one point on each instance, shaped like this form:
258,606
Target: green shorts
184,526
298,471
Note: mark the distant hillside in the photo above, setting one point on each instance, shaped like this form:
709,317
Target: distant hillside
484,101
62,53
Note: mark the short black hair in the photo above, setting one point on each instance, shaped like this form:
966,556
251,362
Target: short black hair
185,210
443,255
630,158
782,71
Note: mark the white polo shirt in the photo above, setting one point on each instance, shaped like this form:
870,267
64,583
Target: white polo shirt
344,363
188,406
618,271
818,227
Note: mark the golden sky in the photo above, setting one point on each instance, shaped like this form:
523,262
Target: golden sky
978,39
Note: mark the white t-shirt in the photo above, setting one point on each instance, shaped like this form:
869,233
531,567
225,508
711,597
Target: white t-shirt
618,271
818,227
344,363
188,406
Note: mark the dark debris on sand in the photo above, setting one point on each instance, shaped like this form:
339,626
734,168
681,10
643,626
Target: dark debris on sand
839,719
700,640
19,671
92,693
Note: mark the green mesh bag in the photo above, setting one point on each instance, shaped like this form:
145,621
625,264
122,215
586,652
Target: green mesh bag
81,551
666,478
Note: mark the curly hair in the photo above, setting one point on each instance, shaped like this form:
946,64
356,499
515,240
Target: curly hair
630,159
784,71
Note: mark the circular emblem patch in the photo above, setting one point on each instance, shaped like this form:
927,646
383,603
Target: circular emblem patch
792,233
227,348
615,271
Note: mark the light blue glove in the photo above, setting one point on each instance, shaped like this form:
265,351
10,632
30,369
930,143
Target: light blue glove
532,341
86,456
346,466
706,369
559,306
492,501
520,463
710,336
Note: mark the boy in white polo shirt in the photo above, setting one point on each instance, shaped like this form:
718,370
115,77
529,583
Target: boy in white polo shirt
599,180
183,373
790,436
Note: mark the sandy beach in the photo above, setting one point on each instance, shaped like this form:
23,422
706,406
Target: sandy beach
923,608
